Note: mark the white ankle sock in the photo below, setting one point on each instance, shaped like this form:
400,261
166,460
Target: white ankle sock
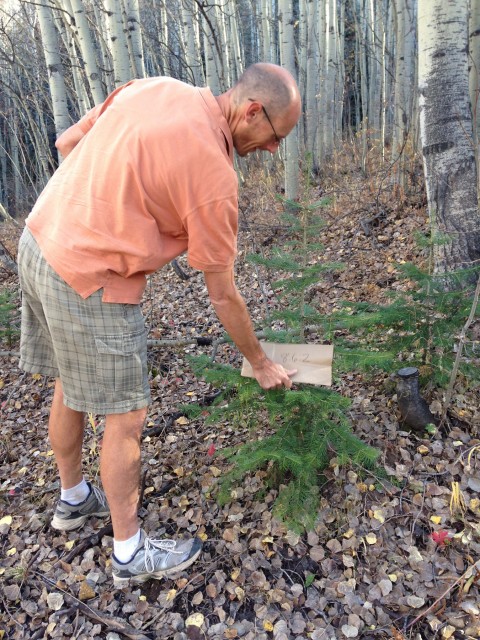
123,549
76,494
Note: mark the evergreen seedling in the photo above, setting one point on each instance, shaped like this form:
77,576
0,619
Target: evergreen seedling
305,427
419,327
8,328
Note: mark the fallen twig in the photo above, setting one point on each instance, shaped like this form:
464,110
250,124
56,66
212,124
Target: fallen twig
469,572
89,542
109,622
456,364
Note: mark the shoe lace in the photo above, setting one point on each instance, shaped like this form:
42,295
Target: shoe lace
150,545
100,496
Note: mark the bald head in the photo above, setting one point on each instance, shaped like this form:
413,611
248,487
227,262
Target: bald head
273,86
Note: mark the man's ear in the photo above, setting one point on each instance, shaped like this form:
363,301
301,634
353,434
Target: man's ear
252,111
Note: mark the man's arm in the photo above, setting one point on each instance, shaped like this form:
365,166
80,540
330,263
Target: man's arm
69,139
232,312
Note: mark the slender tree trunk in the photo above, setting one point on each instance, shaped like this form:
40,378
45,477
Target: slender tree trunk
118,42
54,66
292,159
405,27
447,132
83,36
474,63
192,45
134,33
311,81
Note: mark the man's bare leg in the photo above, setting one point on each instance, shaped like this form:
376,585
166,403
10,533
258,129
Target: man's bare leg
120,470
65,431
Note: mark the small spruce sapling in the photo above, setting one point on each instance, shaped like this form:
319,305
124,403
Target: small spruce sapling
304,427
8,326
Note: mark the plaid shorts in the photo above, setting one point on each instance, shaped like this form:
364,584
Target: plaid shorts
97,349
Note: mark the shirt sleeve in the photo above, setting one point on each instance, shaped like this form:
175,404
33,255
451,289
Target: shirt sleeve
212,235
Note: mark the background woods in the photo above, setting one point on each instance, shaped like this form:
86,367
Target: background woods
358,63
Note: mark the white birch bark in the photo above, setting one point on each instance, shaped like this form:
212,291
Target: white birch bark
104,53
265,18
237,58
446,132
327,108
192,45
311,83
211,47
292,160
474,63
118,42
83,37
223,67
405,28
134,34
55,68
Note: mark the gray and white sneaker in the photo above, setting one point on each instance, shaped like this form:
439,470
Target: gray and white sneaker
71,516
155,559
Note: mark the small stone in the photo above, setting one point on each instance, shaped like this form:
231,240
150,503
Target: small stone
415,555
415,602
55,601
349,631
447,632
86,591
385,586
474,484
470,607
12,592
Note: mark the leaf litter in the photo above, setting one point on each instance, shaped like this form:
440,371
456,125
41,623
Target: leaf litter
386,559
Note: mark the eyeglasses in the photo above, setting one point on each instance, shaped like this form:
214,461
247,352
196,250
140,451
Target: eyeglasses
277,139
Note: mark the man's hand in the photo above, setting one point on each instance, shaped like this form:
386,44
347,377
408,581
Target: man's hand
270,375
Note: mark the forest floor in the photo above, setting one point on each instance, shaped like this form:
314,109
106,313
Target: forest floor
386,559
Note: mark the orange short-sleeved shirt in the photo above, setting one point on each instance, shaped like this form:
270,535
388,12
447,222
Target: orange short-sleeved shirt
152,177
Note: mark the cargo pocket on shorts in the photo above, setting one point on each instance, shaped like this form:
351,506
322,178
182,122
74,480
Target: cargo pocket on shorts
119,365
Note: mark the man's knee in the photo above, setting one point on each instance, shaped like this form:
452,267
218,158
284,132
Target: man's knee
126,425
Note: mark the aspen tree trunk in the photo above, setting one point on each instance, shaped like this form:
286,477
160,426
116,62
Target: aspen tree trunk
312,75
54,66
405,29
3,165
287,41
132,15
104,51
15,160
237,57
339,72
447,133
374,55
224,67
265,18
328,90
81,31
164,31
211,46
322,95
474,64
192,45
362,81
118,42
63,21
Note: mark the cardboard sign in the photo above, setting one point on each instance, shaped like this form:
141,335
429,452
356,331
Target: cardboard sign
312,361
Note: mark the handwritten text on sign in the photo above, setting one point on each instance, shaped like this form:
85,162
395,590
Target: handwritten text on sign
312,361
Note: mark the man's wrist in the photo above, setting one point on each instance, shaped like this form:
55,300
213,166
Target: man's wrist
259,361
